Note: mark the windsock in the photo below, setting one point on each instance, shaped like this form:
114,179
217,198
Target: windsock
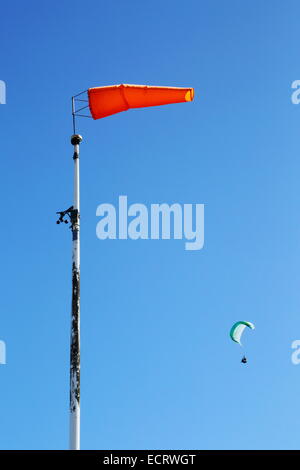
107,100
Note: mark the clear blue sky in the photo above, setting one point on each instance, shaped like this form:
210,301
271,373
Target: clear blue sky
158,368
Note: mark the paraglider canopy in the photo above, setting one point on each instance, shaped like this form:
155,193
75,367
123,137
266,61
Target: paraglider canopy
107,100
238,329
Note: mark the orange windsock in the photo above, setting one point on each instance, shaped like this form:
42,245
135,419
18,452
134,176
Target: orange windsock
107,100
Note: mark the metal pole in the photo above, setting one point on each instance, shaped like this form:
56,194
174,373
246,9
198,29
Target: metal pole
75,320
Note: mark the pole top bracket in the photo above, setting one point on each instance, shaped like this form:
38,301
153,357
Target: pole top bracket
76,139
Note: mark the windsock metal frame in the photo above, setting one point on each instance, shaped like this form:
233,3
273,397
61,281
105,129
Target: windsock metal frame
77,111
101,102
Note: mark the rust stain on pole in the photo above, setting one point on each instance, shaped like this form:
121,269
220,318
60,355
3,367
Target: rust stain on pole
75,341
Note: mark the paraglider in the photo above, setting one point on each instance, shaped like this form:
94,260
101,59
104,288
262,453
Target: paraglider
237,331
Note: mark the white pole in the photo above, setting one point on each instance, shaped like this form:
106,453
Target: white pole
75,321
